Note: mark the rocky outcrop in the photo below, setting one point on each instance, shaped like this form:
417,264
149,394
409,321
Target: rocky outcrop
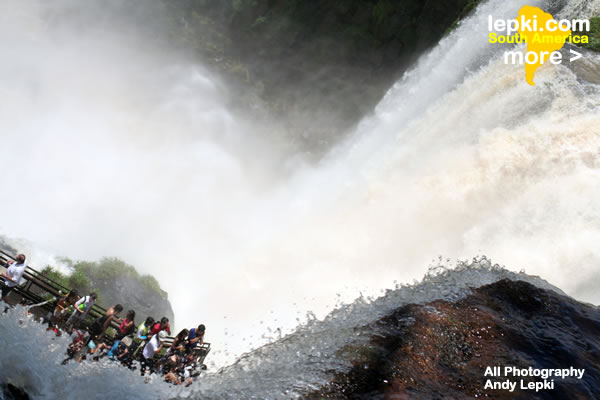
132,294
116,282
442,349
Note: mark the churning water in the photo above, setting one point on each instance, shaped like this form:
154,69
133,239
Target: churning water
286,368
112,150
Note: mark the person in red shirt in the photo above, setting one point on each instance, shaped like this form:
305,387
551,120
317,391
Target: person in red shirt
163,325
127,326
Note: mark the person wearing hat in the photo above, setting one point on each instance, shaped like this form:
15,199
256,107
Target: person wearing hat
154,346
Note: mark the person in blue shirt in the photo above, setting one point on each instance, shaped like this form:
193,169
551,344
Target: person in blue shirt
195,337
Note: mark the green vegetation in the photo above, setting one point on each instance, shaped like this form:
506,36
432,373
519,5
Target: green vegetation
84,273
151,283
114,281
242,5
76,280
469,7
382,10
593,35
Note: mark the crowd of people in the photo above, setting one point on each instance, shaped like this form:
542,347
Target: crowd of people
144,345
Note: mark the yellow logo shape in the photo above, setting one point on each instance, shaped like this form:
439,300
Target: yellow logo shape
540,39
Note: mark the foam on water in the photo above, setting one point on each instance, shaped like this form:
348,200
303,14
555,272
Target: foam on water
462,157
307,358
30,357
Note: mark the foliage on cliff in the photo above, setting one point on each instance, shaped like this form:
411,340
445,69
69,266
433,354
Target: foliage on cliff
115,282
85,272
593,35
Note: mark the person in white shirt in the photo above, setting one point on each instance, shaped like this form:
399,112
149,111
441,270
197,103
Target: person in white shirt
82,307
153,347
13,276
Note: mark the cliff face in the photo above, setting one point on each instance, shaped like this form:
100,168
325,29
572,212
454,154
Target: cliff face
117,282
321,65
442,349
132,294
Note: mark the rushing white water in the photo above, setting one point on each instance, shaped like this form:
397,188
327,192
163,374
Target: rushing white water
462,157
284,369
31,360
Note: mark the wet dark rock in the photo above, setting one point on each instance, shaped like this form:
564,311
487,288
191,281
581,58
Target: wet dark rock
11,392
441,350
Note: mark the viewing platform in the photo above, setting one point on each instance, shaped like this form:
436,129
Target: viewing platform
44,292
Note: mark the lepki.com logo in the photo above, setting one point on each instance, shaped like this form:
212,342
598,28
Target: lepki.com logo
544,37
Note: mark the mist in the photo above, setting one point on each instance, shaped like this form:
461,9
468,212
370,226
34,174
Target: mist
116,144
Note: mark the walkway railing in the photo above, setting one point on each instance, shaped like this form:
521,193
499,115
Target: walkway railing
37,285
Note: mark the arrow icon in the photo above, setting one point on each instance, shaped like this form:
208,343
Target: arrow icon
577,55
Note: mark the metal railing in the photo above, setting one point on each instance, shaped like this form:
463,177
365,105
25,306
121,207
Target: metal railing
38,284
